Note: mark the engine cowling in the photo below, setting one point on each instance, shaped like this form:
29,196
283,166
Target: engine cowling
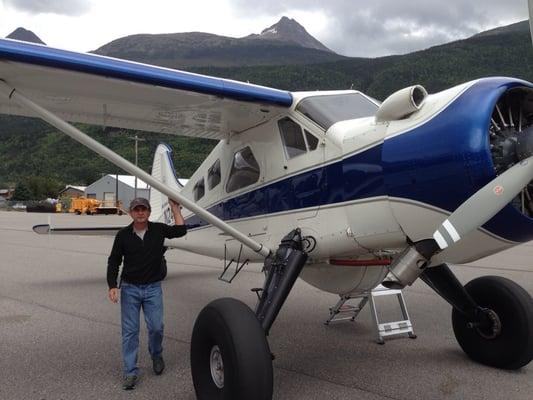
465,145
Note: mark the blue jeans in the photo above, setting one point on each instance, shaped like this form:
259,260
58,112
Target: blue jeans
132,298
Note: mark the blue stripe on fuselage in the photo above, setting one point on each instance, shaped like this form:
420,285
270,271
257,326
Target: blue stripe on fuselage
319,186
440,163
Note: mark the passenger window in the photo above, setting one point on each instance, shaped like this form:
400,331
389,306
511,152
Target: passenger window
244,170
312,141
213,175
199,190
292,137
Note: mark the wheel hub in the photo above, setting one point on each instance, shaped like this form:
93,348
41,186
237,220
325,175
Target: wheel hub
217,366
491,327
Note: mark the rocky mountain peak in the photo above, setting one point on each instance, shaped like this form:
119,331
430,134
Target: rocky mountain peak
25,35
289,30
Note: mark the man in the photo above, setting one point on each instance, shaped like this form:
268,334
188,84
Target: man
140,246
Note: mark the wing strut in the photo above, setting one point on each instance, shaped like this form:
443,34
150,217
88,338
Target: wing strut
530,3
113,157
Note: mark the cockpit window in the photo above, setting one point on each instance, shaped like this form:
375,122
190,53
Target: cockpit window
291,135
199,190
312,141
213,175
244,170
296,140
326,110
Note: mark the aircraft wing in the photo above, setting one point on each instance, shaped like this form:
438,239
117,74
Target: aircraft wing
88,88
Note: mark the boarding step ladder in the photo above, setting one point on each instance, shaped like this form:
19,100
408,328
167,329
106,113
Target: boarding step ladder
345,310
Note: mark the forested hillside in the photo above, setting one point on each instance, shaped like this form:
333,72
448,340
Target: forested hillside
437,68
37,154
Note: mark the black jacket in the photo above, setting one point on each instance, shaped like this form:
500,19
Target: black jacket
143,259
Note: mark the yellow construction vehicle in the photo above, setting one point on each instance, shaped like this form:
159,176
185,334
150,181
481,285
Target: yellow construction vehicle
83,205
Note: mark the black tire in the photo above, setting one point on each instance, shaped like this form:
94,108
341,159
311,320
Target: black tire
247,364
513,347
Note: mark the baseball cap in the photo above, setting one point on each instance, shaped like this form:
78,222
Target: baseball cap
140,201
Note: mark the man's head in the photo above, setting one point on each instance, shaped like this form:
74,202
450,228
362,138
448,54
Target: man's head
140,210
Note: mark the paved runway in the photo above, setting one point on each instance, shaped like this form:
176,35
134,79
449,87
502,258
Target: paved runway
60,336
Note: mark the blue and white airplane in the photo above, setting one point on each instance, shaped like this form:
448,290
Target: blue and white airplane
333,187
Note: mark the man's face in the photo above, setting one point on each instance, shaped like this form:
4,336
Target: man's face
140,214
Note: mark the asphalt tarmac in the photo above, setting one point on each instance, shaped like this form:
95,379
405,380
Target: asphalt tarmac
60,335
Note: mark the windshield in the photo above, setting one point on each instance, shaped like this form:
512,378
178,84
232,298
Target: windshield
326,110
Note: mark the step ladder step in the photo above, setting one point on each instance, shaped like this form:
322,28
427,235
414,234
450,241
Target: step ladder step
382,330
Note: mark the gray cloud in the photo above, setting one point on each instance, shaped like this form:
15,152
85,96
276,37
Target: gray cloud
382,27
61,7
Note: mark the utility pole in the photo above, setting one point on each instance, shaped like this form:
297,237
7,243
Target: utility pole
116,191
137,139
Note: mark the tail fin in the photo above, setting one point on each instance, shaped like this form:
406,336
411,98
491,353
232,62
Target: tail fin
163,170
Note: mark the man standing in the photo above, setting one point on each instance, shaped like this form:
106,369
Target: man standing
140,246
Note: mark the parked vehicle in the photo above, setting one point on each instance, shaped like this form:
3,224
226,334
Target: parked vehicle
83,205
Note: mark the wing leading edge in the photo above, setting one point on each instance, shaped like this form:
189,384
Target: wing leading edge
99,90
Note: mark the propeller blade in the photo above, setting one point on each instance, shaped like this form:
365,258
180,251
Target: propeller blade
485,203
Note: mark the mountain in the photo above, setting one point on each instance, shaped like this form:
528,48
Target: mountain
504,52
286,42
25,35
522,26
290,31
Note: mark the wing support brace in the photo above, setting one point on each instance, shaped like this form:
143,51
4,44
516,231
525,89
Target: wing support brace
113,157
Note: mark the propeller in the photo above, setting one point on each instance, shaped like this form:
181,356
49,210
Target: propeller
482,205
485,203
474,212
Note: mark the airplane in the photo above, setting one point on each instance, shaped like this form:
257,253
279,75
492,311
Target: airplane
332,187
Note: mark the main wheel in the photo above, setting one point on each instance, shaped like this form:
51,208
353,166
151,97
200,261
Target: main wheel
508,341
230,357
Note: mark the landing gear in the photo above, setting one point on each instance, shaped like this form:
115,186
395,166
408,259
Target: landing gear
492,317
503,338
230,357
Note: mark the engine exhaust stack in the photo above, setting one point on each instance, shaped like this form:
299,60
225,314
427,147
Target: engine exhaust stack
410,264
402,103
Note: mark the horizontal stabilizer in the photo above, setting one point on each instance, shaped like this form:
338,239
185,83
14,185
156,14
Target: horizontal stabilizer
46,229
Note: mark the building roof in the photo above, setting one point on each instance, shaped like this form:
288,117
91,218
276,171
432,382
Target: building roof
78,188
130,181
82,188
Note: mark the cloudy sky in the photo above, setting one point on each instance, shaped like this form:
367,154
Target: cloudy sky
359,28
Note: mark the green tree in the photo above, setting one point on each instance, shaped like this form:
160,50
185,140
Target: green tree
43,187
22,192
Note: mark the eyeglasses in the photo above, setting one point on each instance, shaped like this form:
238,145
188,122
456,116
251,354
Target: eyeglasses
140,209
